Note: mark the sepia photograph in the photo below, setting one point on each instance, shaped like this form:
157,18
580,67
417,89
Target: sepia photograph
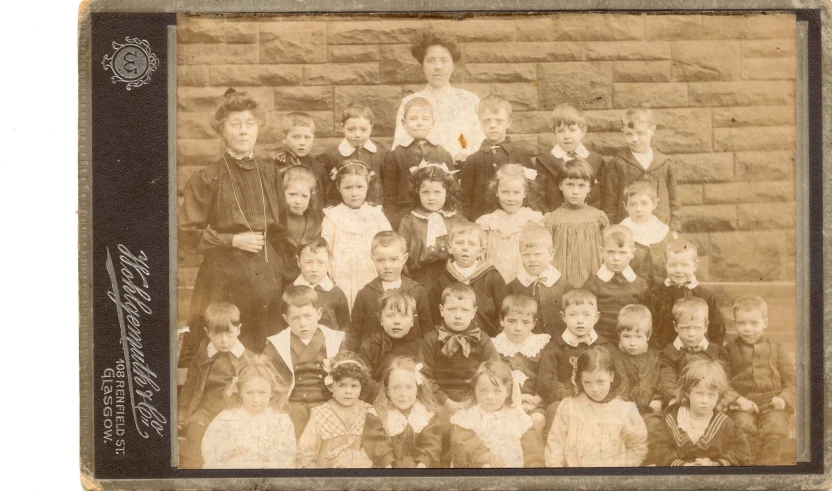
484,240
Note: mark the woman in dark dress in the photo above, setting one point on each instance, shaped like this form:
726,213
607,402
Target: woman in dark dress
234,213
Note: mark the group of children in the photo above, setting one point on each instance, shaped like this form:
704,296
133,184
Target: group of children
527,313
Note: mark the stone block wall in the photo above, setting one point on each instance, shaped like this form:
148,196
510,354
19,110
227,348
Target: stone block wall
722,88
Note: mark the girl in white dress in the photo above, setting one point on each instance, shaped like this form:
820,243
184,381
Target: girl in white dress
254,434
349,228
502,227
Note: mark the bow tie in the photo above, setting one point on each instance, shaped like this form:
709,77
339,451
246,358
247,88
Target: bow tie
453,341
540,279
692,349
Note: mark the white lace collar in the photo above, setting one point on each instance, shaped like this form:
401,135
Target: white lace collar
651,232
528,348
606,274
560,153
346,149
548,277
419,418
326,284
693,283
237,350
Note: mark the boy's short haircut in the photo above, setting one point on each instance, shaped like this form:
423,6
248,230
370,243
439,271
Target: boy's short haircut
637,115
417,102
690,308
751,303
635,318
578,296
567,115
576,169
494,103
638,187
536,235
519,304
467,228
357,111
221,316
679,246
388,238
459,291
299,296
619,235
398,300
314,244
297,119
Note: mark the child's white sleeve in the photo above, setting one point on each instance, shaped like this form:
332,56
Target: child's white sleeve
309,445
283,451
634,435
556,441
218,442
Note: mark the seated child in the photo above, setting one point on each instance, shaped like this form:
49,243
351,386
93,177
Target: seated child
415,148
539,279
333,437
762,377
298,139
427,227
357,124
569,126
298,353
255,433
495,432
389,253
641,162
219,359
467,243
616,284
502,226
497,149
397,337
691,324
303,219
640,362
457,346
409,429
314,258
596,427
554,381
523,350
682,261
651,235
695,433
575,226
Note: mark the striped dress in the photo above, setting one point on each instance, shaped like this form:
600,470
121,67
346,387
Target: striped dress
576,232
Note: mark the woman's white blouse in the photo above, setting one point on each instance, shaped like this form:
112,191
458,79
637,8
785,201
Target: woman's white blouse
455,113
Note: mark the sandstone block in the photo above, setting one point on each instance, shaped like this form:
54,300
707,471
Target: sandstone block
341,74
293,42
190,75
384,101
749,256
482,90
522,52
399,67
587,84
375,31
768,48
598,27
605,120
762,216
627,50
257,75
205,99
650,95
749,192
470,30
690,194
193,30
241,31
641,71
217,54
660,26
522,96
749,26
198,152
607,143
764,166
303,98
536,28
733,117
772,138
709,218
194,125
704,167
353,53
741,93
529,122
705,60
500,72
682,130
769,69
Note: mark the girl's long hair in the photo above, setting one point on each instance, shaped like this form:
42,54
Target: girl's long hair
424,393
259,368
358,168
436,174
508,172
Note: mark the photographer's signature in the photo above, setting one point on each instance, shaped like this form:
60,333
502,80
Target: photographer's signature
130,294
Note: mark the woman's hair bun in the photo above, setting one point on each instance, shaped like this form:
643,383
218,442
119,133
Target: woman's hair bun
229,92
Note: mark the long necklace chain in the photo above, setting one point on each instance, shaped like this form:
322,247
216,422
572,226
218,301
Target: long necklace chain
262,198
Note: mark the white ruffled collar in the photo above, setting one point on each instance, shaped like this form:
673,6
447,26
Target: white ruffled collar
528,348
237,350
606,274
573,340
508,421
692,283
419,418
346,149
651,232
548,277
560,153
326,284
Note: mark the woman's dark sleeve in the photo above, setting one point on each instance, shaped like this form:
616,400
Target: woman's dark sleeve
195,232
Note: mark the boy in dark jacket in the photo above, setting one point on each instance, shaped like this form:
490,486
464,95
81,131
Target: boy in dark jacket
298,138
